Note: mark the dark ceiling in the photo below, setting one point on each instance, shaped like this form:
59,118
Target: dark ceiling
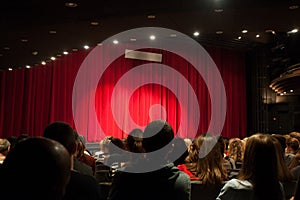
48,27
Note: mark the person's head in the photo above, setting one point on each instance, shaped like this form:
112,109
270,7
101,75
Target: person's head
179,152
210,168
236,149
134,141
260,166
282,140
4,146
292,145
157,134
37,168
62,133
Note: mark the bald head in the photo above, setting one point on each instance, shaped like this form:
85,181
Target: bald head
37,168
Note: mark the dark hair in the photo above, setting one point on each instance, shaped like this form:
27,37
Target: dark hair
134,141
43,163
260,167
157,134
209,169
62,133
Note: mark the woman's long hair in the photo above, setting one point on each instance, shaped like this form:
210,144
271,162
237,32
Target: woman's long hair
260,167
209,169
236,149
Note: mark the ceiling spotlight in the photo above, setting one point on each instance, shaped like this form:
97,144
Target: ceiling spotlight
284,92
218,10
196,33
74,49
94,23
239,37
6,48
257,36
116,42
219,32
270,31
52,31
52,58
132,39
152,37
35,53
86,47
27,66
71,4
10,69
43,63
244,31
24,40
151,16
293,31
281,94
65,53
173,35
291,91
293,7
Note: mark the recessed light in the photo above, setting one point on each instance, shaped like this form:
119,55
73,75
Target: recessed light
99,44
43,63
52,31
116,42
27,66
292,91
257,36
71,4
173,35
293,31
35,53
284,92
244,31
151,16
58,55
281,94
24,40
132,39
196,33
6,48
239,37
218,10
74,49
52,58
65,53
219,32
293,7
152,37
10,69
86,47
94,23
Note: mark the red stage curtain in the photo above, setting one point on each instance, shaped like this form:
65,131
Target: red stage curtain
32,98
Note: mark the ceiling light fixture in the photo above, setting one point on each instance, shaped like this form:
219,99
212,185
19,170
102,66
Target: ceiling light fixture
151,16
53,58
94,23
43,63
219,32
6,48
218,10
293,7
196,33
293,31
52,31
152,37
244,31
132,39
35,53
24,40
74,49
257,36
86,47
71,4
291,91
28,66
239,37
173,35
116,42
10,69
65,53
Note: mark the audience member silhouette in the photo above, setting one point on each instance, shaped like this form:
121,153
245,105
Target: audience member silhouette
258,178
37,168
165,183
4,149
80,187
209,169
